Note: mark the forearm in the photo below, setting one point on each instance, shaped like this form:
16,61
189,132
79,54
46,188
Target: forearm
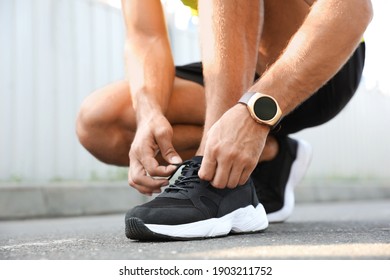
316,52
150,71
148,58
230,33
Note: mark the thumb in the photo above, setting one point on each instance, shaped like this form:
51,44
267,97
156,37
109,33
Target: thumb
167,150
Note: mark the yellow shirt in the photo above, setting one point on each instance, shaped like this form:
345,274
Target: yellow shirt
193,5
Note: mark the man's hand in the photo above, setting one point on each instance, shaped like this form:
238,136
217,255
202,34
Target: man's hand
154,135
233,147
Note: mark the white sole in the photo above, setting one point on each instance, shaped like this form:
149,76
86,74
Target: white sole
243,220
297,172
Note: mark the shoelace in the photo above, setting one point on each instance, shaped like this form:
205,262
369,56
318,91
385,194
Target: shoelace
187,179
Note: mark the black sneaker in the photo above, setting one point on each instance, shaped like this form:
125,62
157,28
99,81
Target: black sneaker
275,180
193,209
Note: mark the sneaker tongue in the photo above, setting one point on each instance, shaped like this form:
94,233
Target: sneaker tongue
197,159
191,169
188,176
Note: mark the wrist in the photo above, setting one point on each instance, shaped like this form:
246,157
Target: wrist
247,118
147,114
146,108
263,108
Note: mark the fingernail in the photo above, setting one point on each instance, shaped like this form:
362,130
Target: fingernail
175,159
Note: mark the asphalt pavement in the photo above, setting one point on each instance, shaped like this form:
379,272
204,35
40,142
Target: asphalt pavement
331,230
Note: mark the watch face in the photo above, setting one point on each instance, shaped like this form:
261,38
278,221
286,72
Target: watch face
265,108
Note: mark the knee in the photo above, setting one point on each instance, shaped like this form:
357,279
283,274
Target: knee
88,122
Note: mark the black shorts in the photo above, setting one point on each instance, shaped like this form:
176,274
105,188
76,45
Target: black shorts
322,106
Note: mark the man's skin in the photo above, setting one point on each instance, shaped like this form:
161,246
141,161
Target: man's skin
154,118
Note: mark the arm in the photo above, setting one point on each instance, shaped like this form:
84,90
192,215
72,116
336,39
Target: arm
319,48
147,55
322,45
150,69
230,35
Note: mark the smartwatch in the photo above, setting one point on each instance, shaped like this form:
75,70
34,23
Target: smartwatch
263,108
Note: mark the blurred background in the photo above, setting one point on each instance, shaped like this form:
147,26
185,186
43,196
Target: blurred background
53,53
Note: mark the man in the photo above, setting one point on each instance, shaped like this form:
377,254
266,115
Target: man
309,56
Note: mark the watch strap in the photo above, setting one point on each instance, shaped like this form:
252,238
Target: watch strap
245,98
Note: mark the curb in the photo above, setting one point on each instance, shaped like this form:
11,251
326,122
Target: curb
21,201
331,190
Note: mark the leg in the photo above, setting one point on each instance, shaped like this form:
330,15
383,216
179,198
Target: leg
106,121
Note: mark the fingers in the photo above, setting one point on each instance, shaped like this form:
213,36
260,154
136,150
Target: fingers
152,167
168,152
207,169
227,171
232,148
145,172
223,175
245,176
144,182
